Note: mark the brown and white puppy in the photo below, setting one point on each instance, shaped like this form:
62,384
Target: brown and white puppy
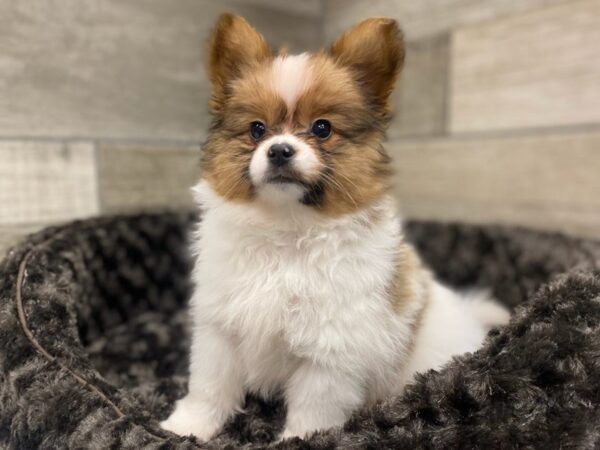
304,283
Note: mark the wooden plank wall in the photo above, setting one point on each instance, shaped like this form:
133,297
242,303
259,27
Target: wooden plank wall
103,103
119,69
498,112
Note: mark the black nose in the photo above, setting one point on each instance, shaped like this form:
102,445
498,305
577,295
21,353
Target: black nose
280,154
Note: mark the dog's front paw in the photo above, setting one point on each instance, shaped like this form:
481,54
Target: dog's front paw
191,419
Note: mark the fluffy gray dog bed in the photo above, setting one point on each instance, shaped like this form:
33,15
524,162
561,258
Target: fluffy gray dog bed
93,343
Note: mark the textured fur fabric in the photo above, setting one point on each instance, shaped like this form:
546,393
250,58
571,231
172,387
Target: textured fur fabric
93,345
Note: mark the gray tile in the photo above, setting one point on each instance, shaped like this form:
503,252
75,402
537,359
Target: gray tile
420,99
126,69
12,235
423,18
307,7
534,70
540,181
46,181
141,177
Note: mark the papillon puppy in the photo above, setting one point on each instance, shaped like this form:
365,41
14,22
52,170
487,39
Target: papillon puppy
304,283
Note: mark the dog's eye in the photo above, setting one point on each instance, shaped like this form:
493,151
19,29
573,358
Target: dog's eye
257,130
321,129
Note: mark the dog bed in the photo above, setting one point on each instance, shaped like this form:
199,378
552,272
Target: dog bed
94,339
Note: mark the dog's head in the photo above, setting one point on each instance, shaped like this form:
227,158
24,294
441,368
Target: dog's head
303,129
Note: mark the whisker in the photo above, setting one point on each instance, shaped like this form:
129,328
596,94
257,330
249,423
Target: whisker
333,182
347,179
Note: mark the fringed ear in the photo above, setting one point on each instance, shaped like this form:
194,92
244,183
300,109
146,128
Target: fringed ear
233,47
374,52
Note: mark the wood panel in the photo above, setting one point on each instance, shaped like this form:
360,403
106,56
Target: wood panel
541,181
539,69
134,178
420,99
111,68
11,235
423,18
308,7
46,181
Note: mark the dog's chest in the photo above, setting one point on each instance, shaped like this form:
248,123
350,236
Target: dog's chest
287,285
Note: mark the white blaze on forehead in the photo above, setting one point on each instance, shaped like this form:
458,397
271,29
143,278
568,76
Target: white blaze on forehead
291,77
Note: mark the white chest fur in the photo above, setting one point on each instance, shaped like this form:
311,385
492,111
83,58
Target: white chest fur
292,287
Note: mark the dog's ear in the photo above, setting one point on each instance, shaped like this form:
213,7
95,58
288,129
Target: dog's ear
374,52
233,47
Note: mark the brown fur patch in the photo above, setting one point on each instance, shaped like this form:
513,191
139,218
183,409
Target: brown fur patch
356,166
237,55
229,147
233,47
416,324
374,50
412,280
410,292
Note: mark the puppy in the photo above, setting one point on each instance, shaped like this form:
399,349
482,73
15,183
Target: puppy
304,284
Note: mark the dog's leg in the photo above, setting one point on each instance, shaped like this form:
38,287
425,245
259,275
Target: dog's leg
215,388
320,397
